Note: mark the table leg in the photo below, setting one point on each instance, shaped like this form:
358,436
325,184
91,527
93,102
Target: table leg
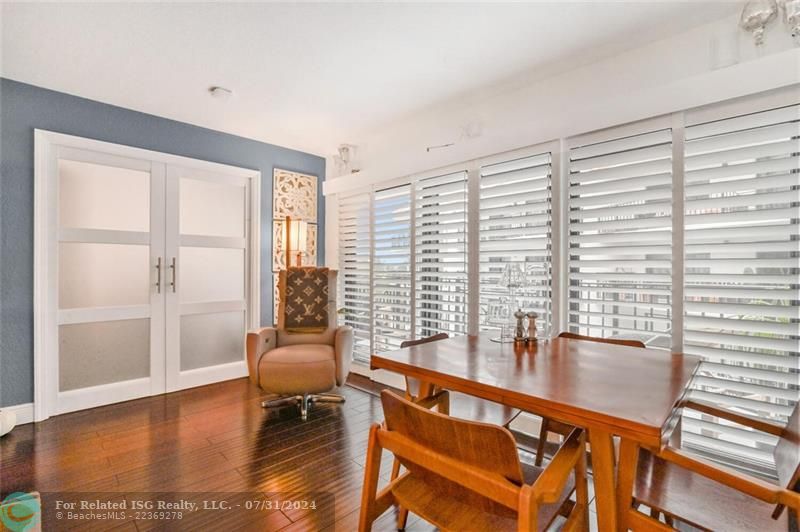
603,476
626,476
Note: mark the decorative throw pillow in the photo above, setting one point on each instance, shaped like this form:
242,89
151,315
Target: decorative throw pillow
306,306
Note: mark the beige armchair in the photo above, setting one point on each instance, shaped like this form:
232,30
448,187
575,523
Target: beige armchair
301,368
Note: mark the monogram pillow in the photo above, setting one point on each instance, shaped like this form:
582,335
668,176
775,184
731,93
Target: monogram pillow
306,300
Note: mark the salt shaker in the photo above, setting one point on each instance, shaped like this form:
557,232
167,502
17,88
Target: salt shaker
519,332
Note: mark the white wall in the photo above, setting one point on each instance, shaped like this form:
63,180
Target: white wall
706,64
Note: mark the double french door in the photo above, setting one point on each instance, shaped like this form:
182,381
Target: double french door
150,274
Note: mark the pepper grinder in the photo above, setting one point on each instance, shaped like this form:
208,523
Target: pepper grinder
519,332
532,326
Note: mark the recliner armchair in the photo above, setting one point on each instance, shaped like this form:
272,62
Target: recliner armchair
301,367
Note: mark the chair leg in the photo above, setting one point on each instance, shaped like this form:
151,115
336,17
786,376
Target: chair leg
281,401
402,518
327,398
304,401
542,441
402,513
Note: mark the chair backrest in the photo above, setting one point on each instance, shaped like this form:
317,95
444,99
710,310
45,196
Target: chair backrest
326,337
490,448
615,341
787,452
435,337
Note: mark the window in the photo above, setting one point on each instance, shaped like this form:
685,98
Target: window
620,238
391,284
717,277
354,270
440,225
515,246
742,274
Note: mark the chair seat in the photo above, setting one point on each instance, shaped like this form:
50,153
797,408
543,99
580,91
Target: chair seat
447,511
298,369
700,501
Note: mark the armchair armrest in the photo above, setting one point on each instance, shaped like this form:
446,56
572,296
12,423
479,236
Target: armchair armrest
259,341
343,349
740,419
755,487
547,488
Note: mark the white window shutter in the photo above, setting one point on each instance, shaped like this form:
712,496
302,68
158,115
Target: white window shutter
742,287
391,286
515,240
440,225
354,270
620,238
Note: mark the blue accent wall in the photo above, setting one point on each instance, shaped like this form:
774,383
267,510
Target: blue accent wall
24,108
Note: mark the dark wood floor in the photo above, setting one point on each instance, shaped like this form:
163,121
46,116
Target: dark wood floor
209,443
211,439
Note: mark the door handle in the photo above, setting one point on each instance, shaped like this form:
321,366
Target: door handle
158,275
172,267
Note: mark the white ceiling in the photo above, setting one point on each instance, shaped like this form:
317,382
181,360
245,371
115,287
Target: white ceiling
312,76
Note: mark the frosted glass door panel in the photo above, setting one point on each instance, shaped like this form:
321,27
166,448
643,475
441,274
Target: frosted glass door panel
212,209
93,196
211,339
91,354
103,275
211,274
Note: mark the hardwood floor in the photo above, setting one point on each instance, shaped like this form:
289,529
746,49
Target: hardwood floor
210,443
217,439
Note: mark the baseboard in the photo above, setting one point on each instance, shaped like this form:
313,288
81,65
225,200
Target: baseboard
24,412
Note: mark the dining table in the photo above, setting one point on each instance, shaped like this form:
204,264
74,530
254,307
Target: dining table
610,390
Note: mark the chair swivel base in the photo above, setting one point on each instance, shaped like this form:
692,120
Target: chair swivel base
304,401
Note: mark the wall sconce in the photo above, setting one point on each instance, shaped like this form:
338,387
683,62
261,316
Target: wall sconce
296,240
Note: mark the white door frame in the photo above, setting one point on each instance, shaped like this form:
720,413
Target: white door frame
45,284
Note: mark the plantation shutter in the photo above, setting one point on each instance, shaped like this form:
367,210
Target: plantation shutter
620,238
515,245
440,225
391,286
354,270
742,285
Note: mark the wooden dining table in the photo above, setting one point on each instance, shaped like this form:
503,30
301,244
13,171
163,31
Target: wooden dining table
610,390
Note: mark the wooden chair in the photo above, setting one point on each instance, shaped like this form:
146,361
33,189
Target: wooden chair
615,341
429,397
466,407
710,496
465,475
476,409
551,425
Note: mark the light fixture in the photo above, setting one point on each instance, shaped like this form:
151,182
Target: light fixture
296,240
755,17
220,93
791,15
